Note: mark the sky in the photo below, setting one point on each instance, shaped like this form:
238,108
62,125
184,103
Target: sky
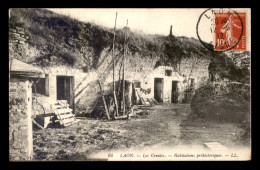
149,21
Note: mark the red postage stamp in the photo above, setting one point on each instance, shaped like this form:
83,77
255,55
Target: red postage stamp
230,31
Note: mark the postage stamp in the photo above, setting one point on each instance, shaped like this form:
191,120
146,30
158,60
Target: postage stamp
230,31
227,27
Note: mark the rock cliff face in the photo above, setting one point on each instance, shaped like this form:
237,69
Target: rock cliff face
64,46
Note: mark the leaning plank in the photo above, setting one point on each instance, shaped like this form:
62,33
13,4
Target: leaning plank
143,100
116,104
37,124
104,101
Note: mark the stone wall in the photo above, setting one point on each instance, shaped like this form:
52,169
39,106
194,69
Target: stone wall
18,35
20,123
19,46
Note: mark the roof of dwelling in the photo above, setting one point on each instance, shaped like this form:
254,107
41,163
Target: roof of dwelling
22,67
17,65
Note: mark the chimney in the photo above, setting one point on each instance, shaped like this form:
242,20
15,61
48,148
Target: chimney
171,31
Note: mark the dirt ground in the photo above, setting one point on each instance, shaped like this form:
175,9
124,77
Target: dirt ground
165,126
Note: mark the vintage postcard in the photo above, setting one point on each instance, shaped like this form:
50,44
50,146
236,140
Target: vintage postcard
127,84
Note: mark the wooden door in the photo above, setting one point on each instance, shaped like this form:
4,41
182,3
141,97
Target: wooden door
174,91
65,89
158,89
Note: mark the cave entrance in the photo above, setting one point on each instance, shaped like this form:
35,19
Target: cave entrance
158,89
65,89
174,91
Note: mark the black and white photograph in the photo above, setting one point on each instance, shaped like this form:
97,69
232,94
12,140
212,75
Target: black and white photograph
129,84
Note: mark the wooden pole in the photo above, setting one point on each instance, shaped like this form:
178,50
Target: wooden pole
114,88
104,101
123,87
123,78
119,80
113,54
119,85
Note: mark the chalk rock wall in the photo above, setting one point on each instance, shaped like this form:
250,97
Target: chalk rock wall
196,68
137,68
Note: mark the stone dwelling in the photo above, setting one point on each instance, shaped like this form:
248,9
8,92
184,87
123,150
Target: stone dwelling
81,90
20,109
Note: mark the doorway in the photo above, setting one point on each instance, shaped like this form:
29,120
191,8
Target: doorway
65,89
174,91
158,89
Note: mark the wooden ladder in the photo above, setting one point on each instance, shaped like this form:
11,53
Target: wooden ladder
64,114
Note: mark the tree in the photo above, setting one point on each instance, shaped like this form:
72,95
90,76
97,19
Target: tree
240,59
